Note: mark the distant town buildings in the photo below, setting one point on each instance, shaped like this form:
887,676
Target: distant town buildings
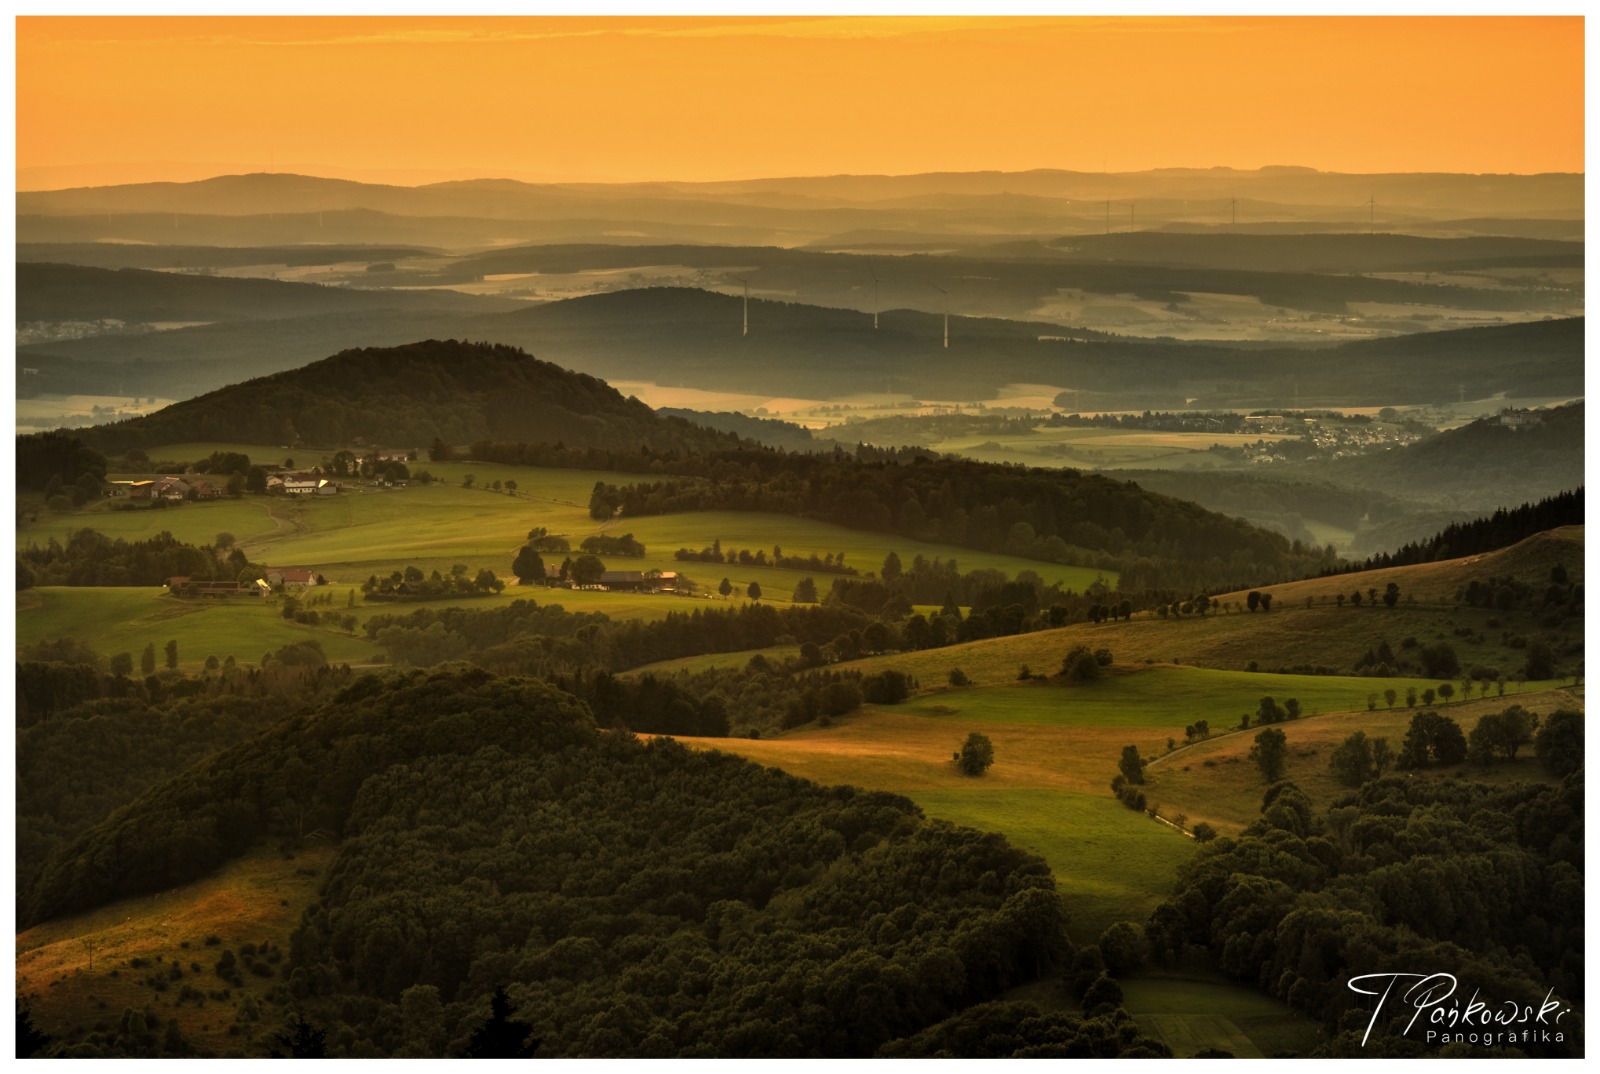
1516,418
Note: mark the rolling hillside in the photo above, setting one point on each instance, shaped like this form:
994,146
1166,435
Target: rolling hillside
459,392
691,337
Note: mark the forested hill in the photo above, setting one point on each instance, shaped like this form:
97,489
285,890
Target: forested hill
1481,466
668,334
411,395
632,898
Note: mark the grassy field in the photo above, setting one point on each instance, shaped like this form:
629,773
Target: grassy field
254,899
1097,448
121,619
249,520
366,530
1192,1013
1293,634
713,661
1111,864
1047,790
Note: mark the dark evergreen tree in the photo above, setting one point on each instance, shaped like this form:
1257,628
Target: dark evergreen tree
299,1040
501,1037
31,1040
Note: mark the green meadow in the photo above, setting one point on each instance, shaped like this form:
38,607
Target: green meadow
124,620
1192,1013
367,530
1110,863
111,620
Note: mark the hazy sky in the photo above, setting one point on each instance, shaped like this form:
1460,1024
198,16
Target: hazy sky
104,100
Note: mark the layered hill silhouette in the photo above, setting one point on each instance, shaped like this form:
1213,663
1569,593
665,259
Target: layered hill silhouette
64,292
692,337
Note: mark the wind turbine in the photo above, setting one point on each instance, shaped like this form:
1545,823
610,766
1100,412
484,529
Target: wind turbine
944,304
875,303
746,303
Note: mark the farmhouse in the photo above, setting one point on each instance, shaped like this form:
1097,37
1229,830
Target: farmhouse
164,488
293,578
310,486
623,581
1515,418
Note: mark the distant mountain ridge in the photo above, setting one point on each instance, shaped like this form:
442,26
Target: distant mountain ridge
272,209
267,192
64,292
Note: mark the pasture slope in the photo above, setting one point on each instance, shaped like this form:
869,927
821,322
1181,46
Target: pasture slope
144,952
1057,745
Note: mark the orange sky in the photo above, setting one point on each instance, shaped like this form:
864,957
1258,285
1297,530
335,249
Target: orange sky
411,100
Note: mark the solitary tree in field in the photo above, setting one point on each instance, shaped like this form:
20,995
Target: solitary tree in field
754,591
172,654
1391,594
1270,752
976,755
1080,665
1131,764
725,588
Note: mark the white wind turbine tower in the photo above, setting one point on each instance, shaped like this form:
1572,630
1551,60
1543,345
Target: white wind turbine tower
944,304
875,302
746,303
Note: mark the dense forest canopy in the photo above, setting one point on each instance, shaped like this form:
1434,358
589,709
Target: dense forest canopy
1404,876
630,898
